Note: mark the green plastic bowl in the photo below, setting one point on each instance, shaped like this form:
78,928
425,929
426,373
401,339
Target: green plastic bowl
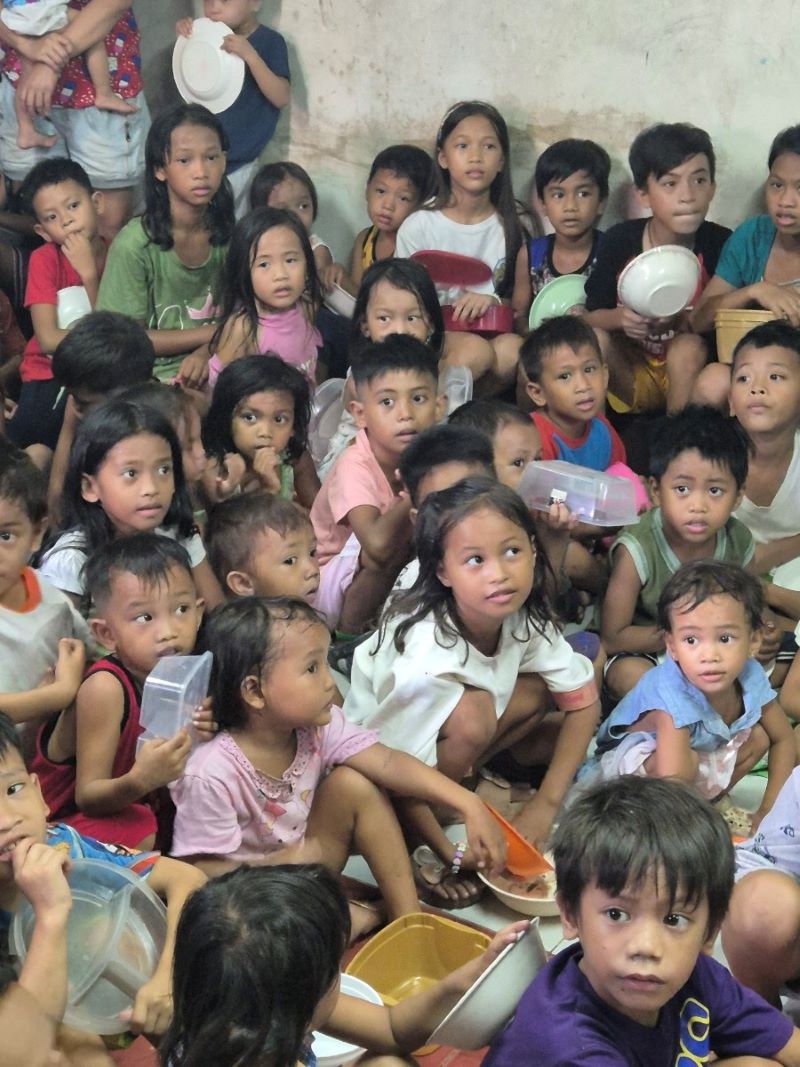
557,297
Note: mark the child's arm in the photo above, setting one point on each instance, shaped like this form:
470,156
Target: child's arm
306,480
619,605
322,258
384,537
356,258
274,88
774,553
782,755
782,300
58,467
522,294
232,341
53,695
789,1055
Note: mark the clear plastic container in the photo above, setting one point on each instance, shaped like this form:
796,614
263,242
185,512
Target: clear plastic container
596,498
115,935
174,688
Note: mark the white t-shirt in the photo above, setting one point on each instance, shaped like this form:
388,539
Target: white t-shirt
781,518
407,698
425,231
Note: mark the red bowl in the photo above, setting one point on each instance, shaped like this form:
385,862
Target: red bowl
498,319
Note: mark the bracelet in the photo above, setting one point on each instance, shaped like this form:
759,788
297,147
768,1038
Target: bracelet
461,848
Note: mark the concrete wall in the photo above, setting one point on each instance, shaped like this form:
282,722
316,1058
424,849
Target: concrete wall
367,73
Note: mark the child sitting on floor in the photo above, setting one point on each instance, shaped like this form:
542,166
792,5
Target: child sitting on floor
645,871
514,438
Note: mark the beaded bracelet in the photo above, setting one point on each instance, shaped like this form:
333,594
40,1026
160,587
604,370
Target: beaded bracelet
461,848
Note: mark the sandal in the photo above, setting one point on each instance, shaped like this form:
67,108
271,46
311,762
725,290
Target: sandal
440,888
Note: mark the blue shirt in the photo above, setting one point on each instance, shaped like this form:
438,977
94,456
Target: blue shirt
744,255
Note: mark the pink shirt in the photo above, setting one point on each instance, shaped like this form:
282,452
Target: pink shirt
354,480
225,807
287,334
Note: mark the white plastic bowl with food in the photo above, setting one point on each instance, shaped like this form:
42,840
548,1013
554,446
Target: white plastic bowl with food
532,896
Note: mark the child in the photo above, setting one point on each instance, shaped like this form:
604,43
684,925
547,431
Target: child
566,378
360,516
92,776
287,187
260,545
165,269
399,181
571,180
473,214
257,787
463,660
44,20
707,713
260,408
515,439
273,929
271,291
645,871
698,465
40,630
250,121
59,195
23,827
653,361
125,475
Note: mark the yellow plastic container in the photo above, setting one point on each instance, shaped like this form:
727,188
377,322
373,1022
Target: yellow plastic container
732,325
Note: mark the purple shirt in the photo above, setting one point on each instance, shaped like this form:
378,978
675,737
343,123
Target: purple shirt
561,1022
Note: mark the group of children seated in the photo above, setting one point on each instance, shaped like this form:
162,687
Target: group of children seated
387,621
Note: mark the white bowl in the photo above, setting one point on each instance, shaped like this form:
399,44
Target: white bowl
340,301
330,1051
72,303
523,904
203,73
487,1005
660,282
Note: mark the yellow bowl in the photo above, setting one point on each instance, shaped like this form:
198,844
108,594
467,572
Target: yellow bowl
732,325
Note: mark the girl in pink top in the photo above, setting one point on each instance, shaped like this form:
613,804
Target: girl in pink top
271,295
257,789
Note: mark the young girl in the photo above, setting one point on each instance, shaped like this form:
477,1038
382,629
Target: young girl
125,475
260,409
270,294
165,269
287,187
473,214
260,786
461,664
257,960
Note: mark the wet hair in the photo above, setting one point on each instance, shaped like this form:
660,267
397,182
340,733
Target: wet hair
22,483
666,145
244,378
701,428
565,158
619,834
101,349
233,526
501,192
766,334
272,174
698,581
51,172
401,274
156,219
397,352
488,417
570,330
10,738
406,161
787,140
440,445
246,636
149,557
239,298
439,514
256,951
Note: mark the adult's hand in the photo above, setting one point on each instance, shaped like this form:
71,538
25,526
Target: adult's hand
36,91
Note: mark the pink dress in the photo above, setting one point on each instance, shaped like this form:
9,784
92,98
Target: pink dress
287,334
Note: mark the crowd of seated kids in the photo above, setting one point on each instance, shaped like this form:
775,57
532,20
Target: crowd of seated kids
395,633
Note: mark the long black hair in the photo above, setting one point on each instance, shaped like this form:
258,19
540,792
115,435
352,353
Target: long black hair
401,274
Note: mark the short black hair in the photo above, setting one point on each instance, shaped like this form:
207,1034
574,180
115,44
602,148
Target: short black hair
565,158
698,581
397,352
568,330
168,399
234,524
439,445
103,351
272,174
147,556
406,161
488,416
10,738
787,140
620,833
21,482
778,333
704,429
660,148
51,172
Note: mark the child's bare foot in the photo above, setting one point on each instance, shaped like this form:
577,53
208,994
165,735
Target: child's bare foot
29,137
112,102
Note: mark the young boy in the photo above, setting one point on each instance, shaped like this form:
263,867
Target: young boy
24,830
92,776
566,378
653,361
59,195
645,872
698,465
513,437
571,180
360,516
251,119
